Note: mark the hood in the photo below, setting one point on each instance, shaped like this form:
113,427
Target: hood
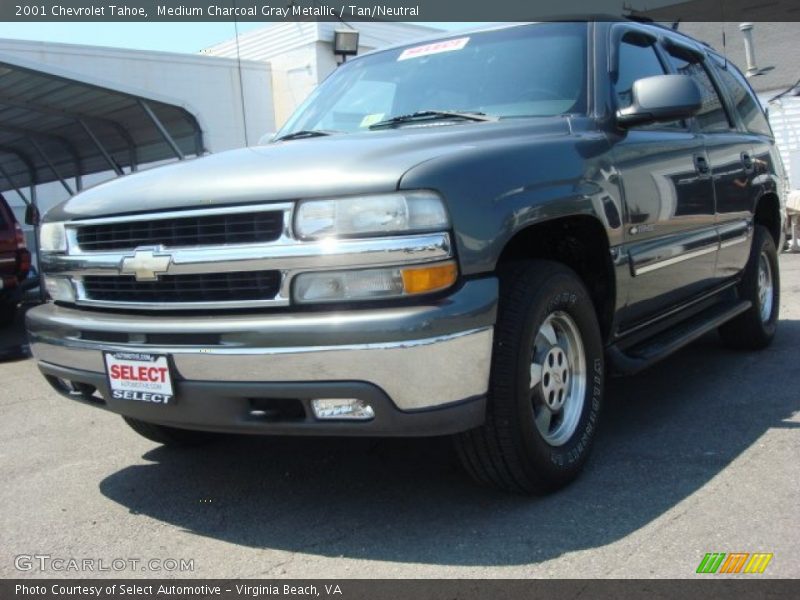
369,162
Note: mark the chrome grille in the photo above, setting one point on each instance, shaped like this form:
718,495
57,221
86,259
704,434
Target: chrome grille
185,289
182,232
213,275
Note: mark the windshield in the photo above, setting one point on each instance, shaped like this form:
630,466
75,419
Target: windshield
527,71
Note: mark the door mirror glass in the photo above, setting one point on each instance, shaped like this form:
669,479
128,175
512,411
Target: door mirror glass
661,98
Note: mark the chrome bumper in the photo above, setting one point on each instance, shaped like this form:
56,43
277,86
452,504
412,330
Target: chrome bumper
422,357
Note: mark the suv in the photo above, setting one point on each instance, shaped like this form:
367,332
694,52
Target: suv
15,262
462,236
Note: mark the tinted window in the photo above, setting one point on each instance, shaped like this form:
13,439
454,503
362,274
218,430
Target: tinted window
635,62
712,115
743,99
638,62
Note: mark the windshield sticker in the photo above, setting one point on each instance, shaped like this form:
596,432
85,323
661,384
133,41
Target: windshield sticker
371,119
435,48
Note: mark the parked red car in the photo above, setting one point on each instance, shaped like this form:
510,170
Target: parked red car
15,262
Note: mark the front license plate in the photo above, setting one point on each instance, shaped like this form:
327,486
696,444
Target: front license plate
139,376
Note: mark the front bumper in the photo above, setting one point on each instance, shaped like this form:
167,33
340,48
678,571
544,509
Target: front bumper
423,368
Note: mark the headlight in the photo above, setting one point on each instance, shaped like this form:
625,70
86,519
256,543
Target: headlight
59,288
52,237
402,212
374,284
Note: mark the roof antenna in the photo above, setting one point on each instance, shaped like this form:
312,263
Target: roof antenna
239,67
722,23
675,24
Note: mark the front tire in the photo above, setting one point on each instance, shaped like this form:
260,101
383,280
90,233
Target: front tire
169,436
755,328
546,384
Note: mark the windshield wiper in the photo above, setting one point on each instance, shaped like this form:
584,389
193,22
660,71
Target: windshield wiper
305,133
432,115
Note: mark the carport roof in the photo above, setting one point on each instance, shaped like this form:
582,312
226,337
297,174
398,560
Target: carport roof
56,126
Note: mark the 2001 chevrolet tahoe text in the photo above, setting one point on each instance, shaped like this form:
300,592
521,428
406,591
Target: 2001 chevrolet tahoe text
460,236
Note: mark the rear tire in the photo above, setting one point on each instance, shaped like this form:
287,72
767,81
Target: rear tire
755,328
546,384
170,436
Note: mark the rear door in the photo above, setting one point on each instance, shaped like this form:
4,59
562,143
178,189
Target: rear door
730,154
754,140
670,232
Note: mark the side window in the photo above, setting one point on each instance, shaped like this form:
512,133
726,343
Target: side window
637,62
712,116
744,101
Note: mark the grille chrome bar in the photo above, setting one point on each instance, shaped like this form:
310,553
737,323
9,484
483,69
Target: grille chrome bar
305,256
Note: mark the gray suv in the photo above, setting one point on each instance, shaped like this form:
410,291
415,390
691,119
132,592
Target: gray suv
462,236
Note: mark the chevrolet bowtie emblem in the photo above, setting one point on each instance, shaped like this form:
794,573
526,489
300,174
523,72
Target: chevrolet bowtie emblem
145,265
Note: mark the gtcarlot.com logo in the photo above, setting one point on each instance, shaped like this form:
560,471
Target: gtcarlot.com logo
46,562
734,562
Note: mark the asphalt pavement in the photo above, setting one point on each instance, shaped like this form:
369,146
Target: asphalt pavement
699,454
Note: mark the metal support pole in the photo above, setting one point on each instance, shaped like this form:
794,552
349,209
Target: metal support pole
112,163
198,143
133,157
50,164
36,244
161,129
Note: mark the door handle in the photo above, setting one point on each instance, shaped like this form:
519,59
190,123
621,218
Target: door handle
747,161
701,164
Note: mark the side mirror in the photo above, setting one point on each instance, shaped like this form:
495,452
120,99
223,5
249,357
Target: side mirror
266,138
661,98
32,216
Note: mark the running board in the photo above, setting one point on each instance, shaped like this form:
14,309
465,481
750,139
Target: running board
635,358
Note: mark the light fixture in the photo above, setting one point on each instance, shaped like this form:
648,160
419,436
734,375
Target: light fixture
342,409
345,43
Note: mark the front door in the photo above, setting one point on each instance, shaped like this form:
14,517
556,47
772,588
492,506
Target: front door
670,233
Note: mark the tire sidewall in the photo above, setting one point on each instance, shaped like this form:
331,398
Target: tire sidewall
562,293
763,244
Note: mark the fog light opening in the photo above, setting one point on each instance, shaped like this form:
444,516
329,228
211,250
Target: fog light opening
76,389
342,408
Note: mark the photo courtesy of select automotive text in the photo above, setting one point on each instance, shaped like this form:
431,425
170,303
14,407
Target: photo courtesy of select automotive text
406,300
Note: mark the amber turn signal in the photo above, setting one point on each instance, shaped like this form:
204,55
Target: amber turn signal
421,280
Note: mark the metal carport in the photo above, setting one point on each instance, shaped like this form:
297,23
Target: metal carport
59,127
55,126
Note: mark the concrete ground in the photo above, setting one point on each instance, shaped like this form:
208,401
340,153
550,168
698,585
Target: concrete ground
699,454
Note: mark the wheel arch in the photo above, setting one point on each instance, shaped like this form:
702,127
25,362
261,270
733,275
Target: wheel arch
579,242
768,213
